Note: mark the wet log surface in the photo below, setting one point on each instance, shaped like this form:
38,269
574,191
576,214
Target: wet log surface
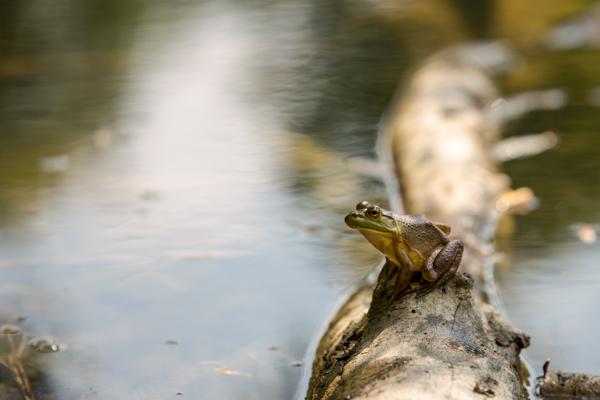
447,344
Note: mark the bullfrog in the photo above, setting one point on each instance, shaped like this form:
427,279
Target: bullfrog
410,243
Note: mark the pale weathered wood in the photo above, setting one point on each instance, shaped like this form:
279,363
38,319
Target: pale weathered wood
442,135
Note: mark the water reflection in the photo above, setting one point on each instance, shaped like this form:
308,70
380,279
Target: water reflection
60,69
173,179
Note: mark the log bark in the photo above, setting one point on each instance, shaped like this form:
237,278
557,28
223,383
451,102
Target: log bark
440,346
447,344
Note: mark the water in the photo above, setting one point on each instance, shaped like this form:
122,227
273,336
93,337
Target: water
173,179
554,271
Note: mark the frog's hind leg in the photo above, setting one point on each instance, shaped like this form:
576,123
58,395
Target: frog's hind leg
428,266
441,266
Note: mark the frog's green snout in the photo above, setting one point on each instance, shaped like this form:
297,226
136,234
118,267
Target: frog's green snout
352,216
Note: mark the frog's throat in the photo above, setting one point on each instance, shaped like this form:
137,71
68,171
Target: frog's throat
385,243
393,234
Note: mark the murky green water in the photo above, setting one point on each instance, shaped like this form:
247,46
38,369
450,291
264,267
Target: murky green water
173,178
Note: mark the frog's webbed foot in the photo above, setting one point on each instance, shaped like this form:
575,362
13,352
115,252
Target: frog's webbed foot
440,267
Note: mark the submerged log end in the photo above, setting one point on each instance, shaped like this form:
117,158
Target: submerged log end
559,384
440,345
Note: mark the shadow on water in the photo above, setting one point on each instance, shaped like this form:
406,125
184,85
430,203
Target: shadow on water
173,178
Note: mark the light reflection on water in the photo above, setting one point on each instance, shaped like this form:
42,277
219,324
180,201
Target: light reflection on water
161,215
179,227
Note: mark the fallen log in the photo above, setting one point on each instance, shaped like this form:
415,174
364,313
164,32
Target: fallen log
448,343
441,345
565,385
442,134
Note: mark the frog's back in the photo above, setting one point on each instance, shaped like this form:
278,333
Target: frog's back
420,234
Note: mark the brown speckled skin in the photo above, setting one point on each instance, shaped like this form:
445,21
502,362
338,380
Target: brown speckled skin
419,237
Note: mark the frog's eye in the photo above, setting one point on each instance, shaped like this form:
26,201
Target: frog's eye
374,212
362,205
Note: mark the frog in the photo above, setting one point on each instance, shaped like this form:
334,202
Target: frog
410,243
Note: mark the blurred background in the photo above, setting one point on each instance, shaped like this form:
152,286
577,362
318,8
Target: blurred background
174,177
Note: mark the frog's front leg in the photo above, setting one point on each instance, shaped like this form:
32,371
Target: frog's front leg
441,266
405,274
395,279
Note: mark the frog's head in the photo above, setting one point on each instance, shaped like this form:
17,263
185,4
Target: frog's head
371,219
378,226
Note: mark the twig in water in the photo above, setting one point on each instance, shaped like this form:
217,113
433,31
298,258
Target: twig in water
15,366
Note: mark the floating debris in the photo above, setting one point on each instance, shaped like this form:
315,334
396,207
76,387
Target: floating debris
54,164
10,329
20,317
102,138
230,372
47,345
521,200
586,233
502,204
514,107
172,341
524,146
47,348
593,96
296,363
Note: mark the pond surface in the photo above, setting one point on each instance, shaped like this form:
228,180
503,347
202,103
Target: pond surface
174,176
